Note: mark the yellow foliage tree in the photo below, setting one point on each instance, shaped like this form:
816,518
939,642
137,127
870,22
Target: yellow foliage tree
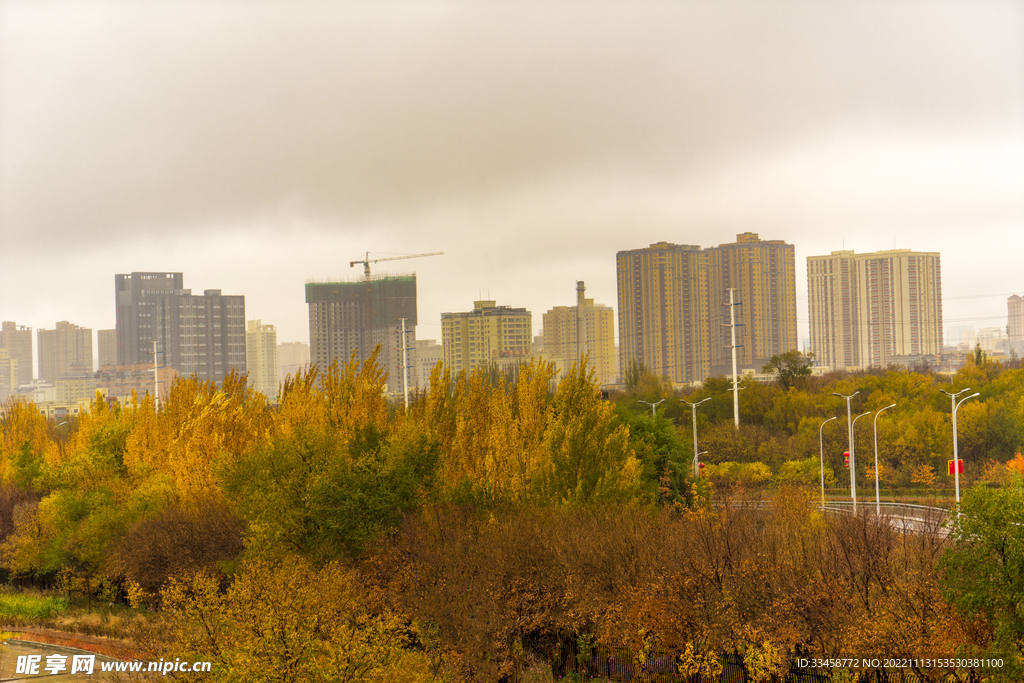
23,424
1016,465
284,622
924,475
589,456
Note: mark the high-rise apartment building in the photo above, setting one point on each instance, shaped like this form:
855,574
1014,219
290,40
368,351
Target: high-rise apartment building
291,357
349,319
488,334
201,335
762,275
106,341
663,311
866,308
17,339
1015,322
8,375
586,328
674,306
261,358
142,301
426,353
65,351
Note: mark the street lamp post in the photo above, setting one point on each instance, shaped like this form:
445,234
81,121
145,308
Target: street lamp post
821,449
956,455
878,475
693,409
696,456
853,462
849,436
652,405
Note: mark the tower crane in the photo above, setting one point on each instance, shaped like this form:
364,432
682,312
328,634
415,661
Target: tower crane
367,260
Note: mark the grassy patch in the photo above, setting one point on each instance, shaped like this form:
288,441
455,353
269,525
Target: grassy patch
21,606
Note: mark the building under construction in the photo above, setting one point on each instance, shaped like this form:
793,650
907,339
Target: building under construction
356,317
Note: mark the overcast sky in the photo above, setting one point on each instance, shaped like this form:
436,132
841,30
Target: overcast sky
254,146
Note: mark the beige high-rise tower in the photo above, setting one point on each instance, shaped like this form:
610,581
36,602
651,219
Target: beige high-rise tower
65,351
261,358
763,275
674,306
586,328
1015,321
866,308
663,311
17,339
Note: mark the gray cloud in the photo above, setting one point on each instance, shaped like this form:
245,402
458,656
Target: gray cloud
518,138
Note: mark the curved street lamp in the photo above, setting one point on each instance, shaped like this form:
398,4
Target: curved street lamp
956,455
693,408
849,436
821,450
853,462
695,456
878,475
652,405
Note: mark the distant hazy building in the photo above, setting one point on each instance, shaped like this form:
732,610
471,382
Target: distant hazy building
65,351
261,358
674,306
992,339
291,357
426,353
488,334
349,319
106,341
8,375
120,381
201,335
586,328
867,308
70,390
1015,322
962,337
37,391
17,339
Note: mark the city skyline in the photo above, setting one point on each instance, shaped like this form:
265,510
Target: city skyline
529,146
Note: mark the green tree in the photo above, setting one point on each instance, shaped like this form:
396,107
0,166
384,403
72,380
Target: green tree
589,452
983,570
790,366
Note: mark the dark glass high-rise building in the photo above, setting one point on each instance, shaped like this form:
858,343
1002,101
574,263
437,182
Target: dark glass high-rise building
202,335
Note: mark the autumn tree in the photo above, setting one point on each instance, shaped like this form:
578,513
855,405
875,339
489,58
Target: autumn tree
983,570
589,456
790,367
286,622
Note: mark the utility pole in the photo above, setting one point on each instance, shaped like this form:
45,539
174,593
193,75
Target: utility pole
405,368
735,377
156,378
581,322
